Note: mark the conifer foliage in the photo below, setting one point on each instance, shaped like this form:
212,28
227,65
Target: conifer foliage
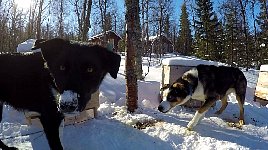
207,27
185,36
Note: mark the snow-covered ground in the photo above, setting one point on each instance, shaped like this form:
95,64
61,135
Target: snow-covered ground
147,128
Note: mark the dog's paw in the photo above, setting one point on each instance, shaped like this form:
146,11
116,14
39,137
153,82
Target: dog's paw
241,122
191,125
189,129
189,132
234,125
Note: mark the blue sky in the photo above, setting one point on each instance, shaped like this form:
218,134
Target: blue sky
177,5
177,9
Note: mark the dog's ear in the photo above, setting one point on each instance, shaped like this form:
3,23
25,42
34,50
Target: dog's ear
116,59
165,86
111,60
38,43
178,85
50,48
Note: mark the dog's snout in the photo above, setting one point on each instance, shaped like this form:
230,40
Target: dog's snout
164,106
68,107
68,102
160,108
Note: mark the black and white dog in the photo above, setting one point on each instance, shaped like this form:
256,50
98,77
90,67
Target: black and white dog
58,80
206,83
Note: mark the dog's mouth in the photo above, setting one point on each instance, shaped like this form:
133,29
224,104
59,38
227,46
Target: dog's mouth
68,102
165,105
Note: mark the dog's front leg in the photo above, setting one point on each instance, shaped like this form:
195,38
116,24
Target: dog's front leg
200,113
51,125
197,117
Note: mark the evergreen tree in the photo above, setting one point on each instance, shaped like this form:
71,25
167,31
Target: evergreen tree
185,38
108,21
218,52
263,35
233,32
167,26
238,41
207,26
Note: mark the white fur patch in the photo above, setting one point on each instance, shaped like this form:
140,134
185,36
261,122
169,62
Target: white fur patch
197,117
187,98
230,90
198,94
165,93
193,72
69,97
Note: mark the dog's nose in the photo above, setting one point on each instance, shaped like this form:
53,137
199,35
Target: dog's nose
160,108
67,107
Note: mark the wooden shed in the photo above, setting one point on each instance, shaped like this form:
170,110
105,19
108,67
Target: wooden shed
112,39
173,68
261,90
160,44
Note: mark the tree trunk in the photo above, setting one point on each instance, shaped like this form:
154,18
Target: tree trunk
139,47
61,30
132,15
103,11
86,23
39,19
243,13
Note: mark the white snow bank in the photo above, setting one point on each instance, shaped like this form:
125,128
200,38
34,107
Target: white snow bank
26,46
186,61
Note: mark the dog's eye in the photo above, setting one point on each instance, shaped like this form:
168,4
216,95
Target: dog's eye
90,70
62,68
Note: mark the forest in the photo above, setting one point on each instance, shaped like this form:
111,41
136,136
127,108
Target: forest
230,31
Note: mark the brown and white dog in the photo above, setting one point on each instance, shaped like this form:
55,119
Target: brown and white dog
206,83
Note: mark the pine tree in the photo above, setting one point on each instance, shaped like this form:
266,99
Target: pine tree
108,22
206,25
167,26
218,52
232,31
263,35
185,38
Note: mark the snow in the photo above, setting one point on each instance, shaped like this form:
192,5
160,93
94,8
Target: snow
186,61
147,128
27,45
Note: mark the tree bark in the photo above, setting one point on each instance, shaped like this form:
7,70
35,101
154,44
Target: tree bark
132,14
243,13
39,20
86,22
61,28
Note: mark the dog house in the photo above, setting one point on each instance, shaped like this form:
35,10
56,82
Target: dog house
173,68
89,113
261,90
